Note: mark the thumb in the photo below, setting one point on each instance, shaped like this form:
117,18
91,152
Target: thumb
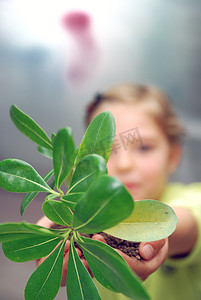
148,250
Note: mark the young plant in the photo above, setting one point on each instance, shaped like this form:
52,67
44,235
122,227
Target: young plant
94,202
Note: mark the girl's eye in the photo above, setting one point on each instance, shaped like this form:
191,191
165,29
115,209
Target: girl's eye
144,148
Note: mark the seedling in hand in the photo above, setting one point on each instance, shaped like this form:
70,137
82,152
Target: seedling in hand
94,202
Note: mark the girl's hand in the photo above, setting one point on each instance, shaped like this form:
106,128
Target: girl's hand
154,254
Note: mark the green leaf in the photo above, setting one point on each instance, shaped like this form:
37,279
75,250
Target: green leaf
106,203
111,270
45,281
63,154
16,231
31,248
52,184
30,196
99,136
69,177
29,127
86,171
50,197
71,200
53,135
20,177
26,201
150,220
45,152
79,283
58,212
43,230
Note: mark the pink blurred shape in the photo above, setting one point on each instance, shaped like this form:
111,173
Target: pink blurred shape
85,54
77,22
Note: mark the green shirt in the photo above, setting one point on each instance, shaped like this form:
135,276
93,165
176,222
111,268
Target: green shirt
176,279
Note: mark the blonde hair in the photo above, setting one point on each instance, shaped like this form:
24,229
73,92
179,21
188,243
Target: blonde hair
154,100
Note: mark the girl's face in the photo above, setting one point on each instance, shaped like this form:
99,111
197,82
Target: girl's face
142,156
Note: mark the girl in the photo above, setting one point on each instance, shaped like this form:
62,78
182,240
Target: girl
146,151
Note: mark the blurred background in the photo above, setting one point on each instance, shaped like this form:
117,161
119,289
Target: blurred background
55,55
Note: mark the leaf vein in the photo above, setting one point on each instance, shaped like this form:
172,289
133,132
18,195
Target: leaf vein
28,180
79,182
77,273
48,275
29,247
59,215
98,211
34,132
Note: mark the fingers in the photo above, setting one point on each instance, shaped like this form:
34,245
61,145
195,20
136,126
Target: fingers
154,254
148,250
45,222
85,263
160,255
157,254
99,238
65,262
65,268
137,266
67,246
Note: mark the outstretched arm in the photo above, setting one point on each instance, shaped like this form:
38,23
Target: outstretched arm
183,239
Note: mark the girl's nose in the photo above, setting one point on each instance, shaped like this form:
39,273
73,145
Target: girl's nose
124,161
